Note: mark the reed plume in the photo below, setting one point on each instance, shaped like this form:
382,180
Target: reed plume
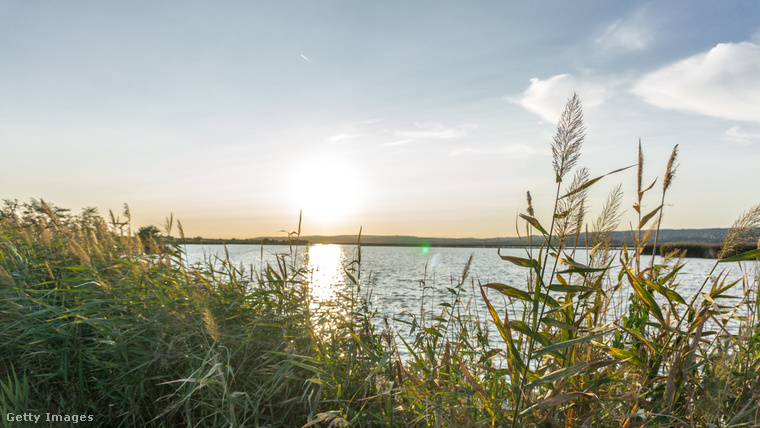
609,218
640,172
530,210
601,237
566,147
670,171
571,210
128,216
670,174
744,230
210,325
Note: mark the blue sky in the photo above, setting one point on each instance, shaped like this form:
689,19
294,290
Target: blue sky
426,118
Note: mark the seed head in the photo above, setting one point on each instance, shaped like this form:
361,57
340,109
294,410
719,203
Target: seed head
566,147
670,171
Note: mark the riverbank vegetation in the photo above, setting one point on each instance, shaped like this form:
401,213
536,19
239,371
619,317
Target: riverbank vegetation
696,249
700,243
92,323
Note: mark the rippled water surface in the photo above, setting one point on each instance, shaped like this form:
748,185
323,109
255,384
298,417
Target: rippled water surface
404,280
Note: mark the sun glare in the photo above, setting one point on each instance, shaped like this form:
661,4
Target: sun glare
326,190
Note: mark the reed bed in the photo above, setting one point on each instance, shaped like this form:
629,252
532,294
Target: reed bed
98,320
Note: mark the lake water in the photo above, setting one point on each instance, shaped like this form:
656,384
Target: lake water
405,280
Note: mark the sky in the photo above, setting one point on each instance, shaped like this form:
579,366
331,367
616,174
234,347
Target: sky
426,118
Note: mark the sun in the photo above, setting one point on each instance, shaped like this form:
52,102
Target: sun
326,190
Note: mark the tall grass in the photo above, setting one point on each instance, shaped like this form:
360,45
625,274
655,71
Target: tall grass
90,324
96,321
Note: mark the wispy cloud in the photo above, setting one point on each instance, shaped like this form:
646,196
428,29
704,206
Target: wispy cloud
398,142
738,135
355,130
755,38
626,35
518,151
723,82
547,98
343,137
436,130
430,131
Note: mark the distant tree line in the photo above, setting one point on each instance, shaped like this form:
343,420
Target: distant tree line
237,241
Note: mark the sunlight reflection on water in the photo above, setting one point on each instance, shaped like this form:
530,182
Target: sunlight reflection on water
325,267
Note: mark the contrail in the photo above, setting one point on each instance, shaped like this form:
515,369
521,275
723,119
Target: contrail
304,57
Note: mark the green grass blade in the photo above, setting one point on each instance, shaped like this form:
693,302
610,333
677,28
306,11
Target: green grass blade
644,295
505,333
559,324
566,372
510,291
519,261
591,182
747,255
534,222
565,344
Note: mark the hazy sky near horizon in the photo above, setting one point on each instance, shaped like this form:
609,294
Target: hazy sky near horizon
427,118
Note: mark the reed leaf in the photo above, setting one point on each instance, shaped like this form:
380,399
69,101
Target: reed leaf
473,382
510,291
569,288
566,372
747,255
534,222
519,261
593,181
557,323
523,328
506,334
621,354
567,343
647,217
669,294
644,295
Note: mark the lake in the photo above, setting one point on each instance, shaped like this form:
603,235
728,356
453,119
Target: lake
405,280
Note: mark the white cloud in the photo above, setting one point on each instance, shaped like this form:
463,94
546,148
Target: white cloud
429,131
738,135
627,35
342,137
547,98
723,82
436,131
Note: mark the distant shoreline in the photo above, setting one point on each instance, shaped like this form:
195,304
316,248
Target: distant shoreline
697,236
698,243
